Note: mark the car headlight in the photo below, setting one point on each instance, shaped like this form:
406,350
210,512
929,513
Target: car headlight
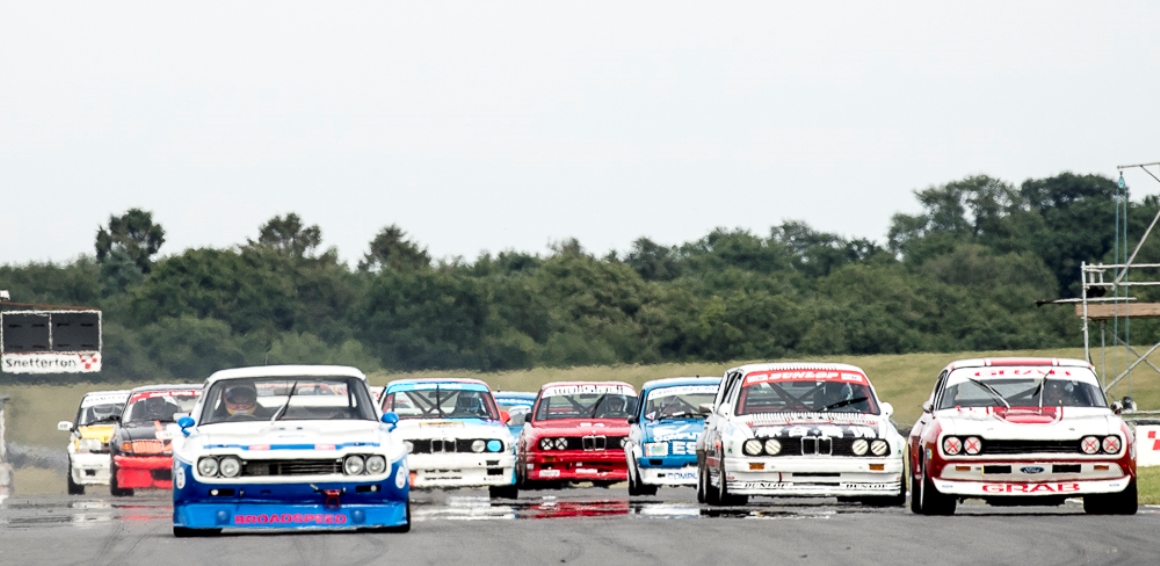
656,449
410,446
478,445
879,447
773,447
230,467
859,447
494,445
560,443
545,443
1090,444
376,465
89,444
623,441
1111,444
752,447
972,445
952,445
352,465
207,467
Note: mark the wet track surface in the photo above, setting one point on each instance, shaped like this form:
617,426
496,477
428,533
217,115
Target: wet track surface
587,526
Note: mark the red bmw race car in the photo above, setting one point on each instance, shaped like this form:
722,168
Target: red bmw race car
576,432
142,443
1031,431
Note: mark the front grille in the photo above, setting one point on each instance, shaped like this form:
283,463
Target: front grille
439,445
818,446
1030,446
292,467
144,447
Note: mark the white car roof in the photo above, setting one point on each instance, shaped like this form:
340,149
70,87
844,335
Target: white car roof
1010,362
749,368
286,371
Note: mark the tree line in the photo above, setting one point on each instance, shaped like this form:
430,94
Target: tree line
961,274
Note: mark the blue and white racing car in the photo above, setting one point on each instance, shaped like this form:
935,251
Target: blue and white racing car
661,448
517,404
289,447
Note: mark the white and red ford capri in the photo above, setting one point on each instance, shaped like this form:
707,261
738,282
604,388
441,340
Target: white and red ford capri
1033,431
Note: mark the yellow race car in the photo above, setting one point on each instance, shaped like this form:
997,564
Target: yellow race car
88,447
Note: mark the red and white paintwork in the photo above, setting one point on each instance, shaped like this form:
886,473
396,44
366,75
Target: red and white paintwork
604,465
1031,476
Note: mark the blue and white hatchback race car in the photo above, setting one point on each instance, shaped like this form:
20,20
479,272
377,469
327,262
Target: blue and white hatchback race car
661,448
288,447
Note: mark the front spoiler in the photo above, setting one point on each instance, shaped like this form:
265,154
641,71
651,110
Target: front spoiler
685,475
137,472
89,468
288,516
1030,489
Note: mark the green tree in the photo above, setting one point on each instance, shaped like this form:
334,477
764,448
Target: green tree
288,236
392,250
135,234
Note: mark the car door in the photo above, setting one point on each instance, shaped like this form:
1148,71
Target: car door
925,420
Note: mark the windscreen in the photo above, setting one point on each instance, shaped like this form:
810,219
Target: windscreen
806,392
1053,389
586,402
678,402
159,406
101,408
442,402
307,398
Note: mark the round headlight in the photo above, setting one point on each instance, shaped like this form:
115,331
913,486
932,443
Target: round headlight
352,465
1112,444
972,445
545,444
623,441
560,443
879,447
207,467
752,447
494,445
952,445
773,447
1090,444
478,445
376,465
860,447
230,467
410,446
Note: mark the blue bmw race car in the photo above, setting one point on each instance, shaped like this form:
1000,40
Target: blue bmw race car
661,448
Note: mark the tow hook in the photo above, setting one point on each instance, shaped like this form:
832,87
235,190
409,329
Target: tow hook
332,501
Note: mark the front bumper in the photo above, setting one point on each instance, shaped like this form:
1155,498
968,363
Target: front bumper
684,475
144,472
89,468
576,465
1024,489
462,470
815,477
290,505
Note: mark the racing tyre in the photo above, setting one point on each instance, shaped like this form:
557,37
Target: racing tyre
723,495
503,492
706,493
113,489
1124,503
74,488
931,502
915,500
182,532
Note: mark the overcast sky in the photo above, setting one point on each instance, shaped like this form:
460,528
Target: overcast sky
489,126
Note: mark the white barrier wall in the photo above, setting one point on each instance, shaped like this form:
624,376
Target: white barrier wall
1148,445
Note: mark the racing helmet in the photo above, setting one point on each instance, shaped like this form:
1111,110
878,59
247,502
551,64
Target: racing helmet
468,403
241,398
157,409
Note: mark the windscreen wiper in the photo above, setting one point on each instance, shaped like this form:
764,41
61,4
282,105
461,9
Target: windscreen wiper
282,409
990,390
842,403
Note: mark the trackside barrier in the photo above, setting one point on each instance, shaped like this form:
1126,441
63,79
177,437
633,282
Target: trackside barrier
1148,445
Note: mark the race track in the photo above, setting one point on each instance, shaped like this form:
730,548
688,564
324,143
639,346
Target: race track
587,526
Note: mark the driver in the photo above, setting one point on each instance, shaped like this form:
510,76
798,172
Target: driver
612,407
468,405
240,399
158,409
832,396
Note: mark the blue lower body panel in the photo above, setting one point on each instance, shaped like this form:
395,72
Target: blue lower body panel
318,505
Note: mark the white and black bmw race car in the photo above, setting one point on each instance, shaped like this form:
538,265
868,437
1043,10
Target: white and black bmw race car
799,430
1032,431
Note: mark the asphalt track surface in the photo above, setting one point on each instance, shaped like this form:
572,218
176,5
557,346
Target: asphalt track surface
587,526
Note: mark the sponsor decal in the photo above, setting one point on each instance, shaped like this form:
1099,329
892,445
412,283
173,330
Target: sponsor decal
832,431
558,390
401,477
97,399
1031,488
549,473
587,470
686,431
439,424
291,519
1031,470
681,475
179,476
440,386
174,393
803,375
681,390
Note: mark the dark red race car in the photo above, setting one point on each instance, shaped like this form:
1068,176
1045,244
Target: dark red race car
576,432
142,443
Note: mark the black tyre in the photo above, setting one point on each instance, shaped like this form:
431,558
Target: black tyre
706,488
723,495
73,487
113,489
503,492
182,532
1124,503
931,501
915,500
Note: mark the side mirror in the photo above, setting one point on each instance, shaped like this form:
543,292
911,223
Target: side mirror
633,419
705,408
1117,407
505,417
926,407
64,425
887,409
391,419
185,423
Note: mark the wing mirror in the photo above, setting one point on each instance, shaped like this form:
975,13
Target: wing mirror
185,422
926,407
391,419
1117,407
633,419
887,409
705,408
64,426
